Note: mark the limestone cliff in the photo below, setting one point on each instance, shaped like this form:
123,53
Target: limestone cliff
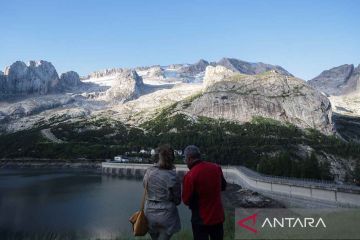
36,77
241,97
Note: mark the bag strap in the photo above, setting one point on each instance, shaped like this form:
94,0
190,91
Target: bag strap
144,196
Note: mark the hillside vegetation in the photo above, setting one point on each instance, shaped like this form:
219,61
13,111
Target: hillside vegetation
263,144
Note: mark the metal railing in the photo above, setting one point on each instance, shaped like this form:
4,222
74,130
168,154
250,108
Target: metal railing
306,182
295,181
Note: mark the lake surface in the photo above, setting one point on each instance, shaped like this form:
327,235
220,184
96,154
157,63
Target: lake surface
59,201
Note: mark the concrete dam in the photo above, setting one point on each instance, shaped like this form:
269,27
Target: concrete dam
291,192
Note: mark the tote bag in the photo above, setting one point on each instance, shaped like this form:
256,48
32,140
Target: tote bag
138,219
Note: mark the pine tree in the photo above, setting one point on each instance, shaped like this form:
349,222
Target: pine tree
325,171
311,167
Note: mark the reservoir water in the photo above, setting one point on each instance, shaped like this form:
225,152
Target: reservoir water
60,201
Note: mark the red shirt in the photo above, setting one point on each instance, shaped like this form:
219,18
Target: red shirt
202,187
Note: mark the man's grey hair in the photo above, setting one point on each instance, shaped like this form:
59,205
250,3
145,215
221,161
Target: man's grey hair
192,151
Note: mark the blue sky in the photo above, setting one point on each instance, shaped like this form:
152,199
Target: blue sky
304,36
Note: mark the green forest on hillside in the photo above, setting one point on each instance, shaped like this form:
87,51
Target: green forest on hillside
263,144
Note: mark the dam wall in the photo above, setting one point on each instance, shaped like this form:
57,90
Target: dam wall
334,194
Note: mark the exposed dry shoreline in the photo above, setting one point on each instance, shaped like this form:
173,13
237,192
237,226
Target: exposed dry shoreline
237,197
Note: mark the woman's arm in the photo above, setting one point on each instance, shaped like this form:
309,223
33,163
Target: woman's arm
176,191
146,176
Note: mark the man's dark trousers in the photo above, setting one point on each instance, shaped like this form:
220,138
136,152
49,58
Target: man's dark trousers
203,232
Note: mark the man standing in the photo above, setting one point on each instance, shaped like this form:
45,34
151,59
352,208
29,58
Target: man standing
202,187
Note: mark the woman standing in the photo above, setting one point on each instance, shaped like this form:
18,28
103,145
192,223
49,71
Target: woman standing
163,195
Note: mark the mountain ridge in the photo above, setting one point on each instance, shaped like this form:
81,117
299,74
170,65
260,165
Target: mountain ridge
126,91
35,77
336,81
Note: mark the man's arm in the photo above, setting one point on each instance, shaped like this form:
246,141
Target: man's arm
188,189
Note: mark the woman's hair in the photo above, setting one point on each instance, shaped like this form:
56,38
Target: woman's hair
166,157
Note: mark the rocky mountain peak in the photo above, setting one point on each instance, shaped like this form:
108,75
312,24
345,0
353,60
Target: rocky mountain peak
17,68
195,68
36,77
339,80
104,73
128,85
240,66
69,80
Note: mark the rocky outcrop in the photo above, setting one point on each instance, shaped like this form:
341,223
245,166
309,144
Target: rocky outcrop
240,66
237,197
38,77
240,97
216,74
348,127
337,81
69,80
128,86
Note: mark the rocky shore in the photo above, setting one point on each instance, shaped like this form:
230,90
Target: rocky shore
237,197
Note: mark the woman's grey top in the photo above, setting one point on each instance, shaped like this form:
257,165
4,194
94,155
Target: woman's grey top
163,186
163,195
